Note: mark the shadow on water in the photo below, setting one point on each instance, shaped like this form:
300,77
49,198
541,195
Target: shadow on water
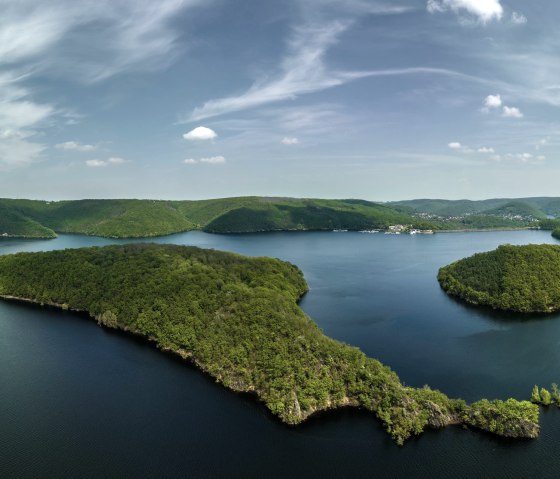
497,315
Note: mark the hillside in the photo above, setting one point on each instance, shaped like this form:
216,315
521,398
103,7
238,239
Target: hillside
237,319
516,208
539,207
515,278
274,214
109,218
145,218
15,224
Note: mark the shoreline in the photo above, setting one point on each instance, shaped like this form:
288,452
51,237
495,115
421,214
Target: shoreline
489,230
440,419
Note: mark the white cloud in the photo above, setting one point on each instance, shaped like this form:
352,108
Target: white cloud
75,146
16,151
107,162
22,113
290,140
18,116
214,160
492,101
526,158
511,112
483,10
485,149
200,133
9,134
456,146
518,18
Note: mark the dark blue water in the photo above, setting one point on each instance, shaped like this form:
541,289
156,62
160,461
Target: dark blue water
79,401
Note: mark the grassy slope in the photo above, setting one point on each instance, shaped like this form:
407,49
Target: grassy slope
516,278
237,318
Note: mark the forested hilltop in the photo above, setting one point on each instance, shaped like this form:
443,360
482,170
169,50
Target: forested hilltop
146,218
538,207
515,278
237,318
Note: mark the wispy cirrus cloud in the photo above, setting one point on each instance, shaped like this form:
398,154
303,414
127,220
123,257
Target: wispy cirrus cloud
94,40
304,67
85,41
304,71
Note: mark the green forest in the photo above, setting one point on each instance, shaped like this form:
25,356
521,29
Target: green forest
149,218
539,207
514,278
238,319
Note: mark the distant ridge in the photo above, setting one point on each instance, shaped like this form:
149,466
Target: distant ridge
133,218
148,218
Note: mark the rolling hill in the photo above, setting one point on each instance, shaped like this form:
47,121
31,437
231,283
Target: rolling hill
146,218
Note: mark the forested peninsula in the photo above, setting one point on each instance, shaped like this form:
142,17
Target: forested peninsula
237,319
523,279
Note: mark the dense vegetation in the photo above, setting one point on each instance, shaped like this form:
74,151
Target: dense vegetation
237,318
109,218
145,218
539,207
13,223
515,278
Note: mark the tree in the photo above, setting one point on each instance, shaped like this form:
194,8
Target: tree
555,394
535,396
545,397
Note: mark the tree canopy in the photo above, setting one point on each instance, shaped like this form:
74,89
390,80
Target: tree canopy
515,278
237,318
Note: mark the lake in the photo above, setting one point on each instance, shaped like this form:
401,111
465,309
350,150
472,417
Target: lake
80,401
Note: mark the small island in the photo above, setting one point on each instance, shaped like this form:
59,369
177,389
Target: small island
524,279
238,320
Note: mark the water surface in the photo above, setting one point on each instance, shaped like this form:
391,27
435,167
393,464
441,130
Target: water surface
79,401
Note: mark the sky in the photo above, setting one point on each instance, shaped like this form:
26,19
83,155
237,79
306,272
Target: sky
192,99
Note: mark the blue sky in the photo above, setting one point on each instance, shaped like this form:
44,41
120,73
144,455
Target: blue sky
187,99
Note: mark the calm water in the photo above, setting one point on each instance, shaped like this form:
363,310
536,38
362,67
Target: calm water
79,401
